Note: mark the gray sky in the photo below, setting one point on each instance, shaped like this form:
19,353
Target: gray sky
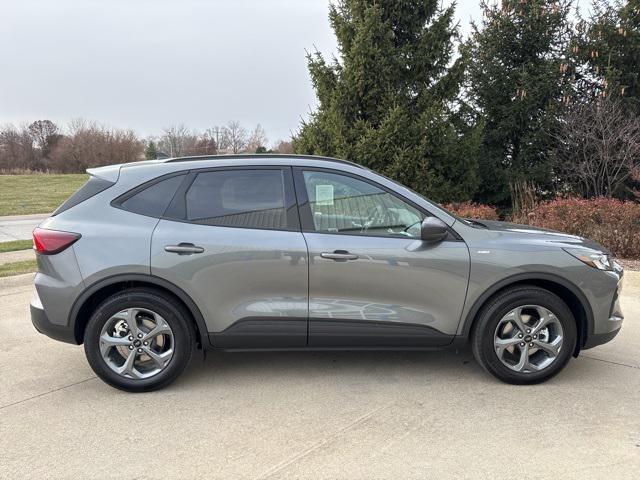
147,64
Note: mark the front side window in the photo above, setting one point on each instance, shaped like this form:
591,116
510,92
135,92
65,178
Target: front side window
238,198
343,204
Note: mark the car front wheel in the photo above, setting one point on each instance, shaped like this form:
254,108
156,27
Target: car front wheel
139,340
524,335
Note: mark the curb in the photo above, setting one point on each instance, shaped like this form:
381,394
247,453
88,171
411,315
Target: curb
17,280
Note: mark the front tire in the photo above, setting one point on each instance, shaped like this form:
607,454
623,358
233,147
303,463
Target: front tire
139,340
524,335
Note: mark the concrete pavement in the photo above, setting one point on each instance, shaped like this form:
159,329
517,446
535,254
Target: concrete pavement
317,415
19,227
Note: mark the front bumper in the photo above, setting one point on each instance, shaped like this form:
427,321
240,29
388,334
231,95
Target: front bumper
42,324
609,328
600,338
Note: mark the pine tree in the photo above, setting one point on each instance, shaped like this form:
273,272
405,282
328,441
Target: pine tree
517,78
390,102
606,50
151,150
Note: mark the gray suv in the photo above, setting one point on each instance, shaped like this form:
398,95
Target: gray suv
150,261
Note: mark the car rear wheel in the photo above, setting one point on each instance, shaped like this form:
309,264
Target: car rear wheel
139,340
524,335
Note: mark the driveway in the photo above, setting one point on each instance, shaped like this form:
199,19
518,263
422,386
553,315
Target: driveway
19,227
317,415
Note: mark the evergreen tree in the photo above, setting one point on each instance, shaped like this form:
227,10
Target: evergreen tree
606,51
517,74
390,102
151,151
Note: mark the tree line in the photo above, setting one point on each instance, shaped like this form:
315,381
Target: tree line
536,99
46,147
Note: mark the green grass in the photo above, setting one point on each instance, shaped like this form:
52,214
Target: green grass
15,245
37,193
16,268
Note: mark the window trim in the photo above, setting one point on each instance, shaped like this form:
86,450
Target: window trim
306,218
177,211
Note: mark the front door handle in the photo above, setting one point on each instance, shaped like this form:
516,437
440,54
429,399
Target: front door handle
184,249
339,255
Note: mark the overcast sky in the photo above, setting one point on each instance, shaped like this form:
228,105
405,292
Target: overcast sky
147,64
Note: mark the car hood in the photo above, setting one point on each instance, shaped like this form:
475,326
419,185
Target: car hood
542,234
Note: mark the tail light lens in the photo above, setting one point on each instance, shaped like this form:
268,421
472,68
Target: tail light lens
50,242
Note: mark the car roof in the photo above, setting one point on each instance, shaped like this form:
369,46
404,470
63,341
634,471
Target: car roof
267,157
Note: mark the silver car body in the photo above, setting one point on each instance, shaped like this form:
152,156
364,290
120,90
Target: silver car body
273,289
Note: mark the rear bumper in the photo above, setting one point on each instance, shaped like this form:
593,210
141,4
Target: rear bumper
42,324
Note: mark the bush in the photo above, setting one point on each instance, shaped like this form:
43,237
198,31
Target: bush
612,223
473,210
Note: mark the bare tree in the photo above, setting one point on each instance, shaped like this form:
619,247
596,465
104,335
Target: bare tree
235,137
174,140
597,147
283,146
257,139
91,145
17,151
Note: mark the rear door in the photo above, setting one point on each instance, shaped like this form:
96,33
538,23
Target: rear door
372,281
231,240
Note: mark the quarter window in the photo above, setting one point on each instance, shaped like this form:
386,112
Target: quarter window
343,204
238,198
153,200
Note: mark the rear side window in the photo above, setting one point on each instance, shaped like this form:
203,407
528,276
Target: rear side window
238,198
94,186
154,199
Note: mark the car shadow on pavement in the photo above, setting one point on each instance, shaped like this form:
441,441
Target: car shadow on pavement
294,365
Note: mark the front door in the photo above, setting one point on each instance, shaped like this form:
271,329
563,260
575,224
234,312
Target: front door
231,240
372,281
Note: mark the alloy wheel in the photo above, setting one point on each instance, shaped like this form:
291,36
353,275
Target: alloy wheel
528,338
137,343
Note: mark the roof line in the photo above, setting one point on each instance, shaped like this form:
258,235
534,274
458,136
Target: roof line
248,156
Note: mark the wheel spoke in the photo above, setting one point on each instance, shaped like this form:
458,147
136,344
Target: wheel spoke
128,367
161,328
501,344
160,359
545,316
523,363
515,316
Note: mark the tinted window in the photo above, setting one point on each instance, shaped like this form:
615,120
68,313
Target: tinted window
238,198
153,200
94,186
343,204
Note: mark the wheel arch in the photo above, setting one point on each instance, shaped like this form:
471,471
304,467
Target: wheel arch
96,293
567,291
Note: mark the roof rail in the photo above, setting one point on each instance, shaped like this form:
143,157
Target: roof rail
247,156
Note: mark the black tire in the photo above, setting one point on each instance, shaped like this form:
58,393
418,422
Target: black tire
482,340
172,312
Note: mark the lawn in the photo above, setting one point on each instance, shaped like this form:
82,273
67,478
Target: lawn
16,268
38,193
15,245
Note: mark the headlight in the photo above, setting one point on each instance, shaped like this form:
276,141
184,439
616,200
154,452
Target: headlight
593,258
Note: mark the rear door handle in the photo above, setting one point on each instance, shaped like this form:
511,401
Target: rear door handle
339,255
184,249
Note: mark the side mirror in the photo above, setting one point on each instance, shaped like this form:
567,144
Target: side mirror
433,230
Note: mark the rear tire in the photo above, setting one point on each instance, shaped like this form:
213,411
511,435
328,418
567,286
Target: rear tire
139,340
512,341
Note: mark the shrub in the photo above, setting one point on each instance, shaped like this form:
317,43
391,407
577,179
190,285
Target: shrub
612,223
473,210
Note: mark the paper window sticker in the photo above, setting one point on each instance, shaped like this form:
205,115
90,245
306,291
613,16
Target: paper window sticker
324,194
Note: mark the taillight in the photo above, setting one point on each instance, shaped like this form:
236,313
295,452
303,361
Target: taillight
49,242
